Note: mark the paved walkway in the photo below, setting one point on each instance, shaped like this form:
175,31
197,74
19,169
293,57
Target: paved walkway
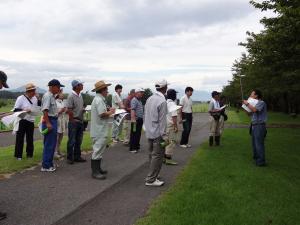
70,196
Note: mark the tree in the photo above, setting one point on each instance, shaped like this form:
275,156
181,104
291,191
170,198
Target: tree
147,94
272,61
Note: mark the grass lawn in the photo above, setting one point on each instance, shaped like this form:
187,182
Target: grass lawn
200,108
223,187
8,163
273,118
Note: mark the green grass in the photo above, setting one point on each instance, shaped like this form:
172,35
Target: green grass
273,118
223,187
200,108
9,164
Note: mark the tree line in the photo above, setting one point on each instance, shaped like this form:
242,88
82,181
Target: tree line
272,59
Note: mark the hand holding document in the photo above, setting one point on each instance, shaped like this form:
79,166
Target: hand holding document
252,102
223,107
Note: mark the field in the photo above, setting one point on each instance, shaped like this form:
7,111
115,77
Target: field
221,186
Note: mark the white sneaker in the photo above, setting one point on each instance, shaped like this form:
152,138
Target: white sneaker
19,159
189,146
183,146
156,183
133,151
115,140
51,169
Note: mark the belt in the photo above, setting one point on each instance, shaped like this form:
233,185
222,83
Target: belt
255,124
52,117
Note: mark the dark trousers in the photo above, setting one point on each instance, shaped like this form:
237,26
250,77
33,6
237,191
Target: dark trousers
75,133
258,143
187,126
135,134
49,143
25,128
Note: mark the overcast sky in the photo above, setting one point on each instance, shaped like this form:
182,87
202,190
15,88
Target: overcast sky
131,42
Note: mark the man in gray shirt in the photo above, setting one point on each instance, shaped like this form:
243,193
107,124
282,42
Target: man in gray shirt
49,110
156,125
75,127
258,127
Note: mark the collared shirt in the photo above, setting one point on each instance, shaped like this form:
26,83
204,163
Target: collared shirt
213,105
99,126
49,103
170,115
23,103
116,100
137,106
155,116
186,103
260,116
75,103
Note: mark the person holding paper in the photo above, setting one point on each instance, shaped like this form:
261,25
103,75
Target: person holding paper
258,126
137,114
3,83
61,123
127,120
172,126
117,103
214,110
26,102
100,115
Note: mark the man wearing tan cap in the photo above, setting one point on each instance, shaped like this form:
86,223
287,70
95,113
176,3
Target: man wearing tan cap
100,114
26,102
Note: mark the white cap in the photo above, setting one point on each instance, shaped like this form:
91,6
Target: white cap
161,83
139,90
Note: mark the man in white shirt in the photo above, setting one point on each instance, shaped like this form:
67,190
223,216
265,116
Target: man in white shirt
26,102
187,117
214,110
117,103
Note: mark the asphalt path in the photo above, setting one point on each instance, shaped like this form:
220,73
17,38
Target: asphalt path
71,196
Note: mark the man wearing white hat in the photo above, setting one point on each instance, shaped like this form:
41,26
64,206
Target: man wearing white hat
75,107
26,102
156,125
137,114
99,128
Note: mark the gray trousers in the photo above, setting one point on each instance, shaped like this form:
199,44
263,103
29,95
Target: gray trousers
156,157
258,143
116,130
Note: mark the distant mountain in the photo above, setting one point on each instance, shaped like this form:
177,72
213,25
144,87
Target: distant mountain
22,89
197,95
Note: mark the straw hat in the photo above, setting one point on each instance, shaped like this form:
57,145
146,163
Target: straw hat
30,87
100,85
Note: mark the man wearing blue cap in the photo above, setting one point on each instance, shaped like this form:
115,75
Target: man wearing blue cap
49,110
75,107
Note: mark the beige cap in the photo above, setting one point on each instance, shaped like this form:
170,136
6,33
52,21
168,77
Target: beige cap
100,85
30,87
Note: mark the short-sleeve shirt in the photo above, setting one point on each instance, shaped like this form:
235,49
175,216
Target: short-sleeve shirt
116,100
137,106
23,103
260,116
186,103
170,115
49,103
99,126
75,103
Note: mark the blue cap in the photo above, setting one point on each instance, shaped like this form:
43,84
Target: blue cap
55,82
75,83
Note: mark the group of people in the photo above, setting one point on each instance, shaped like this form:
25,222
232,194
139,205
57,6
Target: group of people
160,117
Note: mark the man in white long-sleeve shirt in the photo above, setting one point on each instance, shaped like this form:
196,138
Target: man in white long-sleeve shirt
156,126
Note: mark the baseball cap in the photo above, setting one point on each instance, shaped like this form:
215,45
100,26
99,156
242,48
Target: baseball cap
75,83
139,90
161,83
55,82
3,79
